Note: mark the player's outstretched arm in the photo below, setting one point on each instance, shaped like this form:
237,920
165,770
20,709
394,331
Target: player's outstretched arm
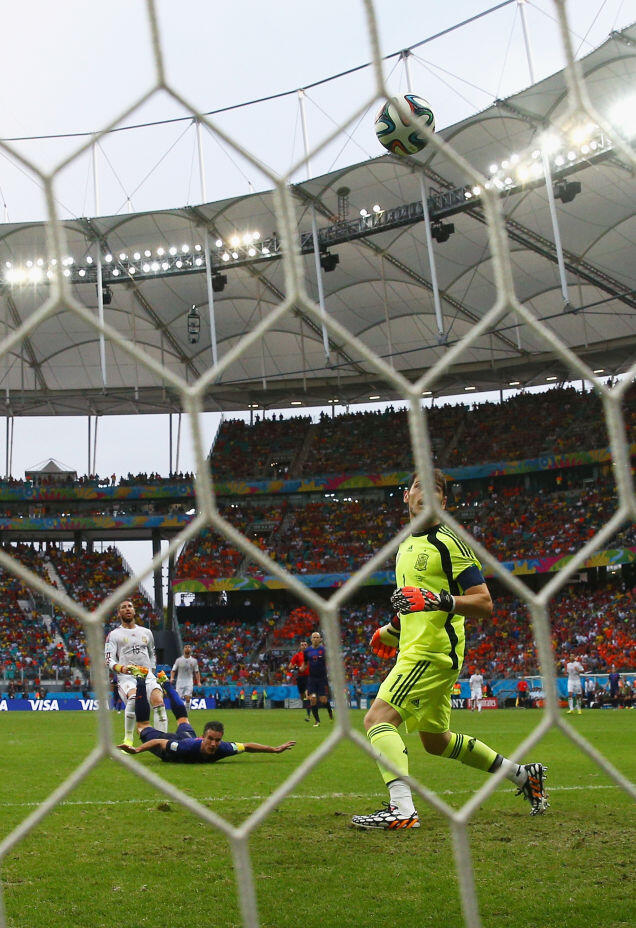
252,748
147,746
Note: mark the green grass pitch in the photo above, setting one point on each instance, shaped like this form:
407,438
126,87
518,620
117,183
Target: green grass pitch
117,853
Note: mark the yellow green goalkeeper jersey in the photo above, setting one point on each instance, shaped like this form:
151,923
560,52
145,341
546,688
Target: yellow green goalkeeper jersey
436,560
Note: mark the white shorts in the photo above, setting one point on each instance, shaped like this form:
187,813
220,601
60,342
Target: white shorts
574,689
127,683
475,694
185,691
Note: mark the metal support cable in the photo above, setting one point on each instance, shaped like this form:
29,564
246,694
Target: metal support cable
547,172
314,232
206,243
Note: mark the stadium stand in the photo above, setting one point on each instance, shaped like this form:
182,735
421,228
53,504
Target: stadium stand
531,515
90,576
525,425
597,624
338,534
268,448
52,648
227,653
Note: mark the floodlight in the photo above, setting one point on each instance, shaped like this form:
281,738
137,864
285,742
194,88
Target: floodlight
328,261
442,231
194,325
566,190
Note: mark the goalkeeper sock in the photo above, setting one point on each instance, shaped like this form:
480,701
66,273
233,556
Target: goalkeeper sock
386,738
314,712
476,754
400,797
329,710
472,752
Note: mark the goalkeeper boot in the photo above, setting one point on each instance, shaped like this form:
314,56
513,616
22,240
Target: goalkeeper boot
387,818
533,789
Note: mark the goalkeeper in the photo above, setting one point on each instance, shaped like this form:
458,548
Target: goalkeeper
440,582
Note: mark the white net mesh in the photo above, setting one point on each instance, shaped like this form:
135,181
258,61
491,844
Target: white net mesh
62,300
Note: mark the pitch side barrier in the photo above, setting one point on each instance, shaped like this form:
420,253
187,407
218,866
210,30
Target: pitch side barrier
287,695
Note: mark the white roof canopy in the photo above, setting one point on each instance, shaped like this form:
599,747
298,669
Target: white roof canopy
380,290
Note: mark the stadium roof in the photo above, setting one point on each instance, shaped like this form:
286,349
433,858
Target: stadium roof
380,290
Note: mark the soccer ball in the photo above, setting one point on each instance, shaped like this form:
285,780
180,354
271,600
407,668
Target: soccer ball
401,136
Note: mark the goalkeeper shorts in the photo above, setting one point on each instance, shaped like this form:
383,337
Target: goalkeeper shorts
421,692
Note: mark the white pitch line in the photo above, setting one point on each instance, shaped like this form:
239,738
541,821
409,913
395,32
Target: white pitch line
258,798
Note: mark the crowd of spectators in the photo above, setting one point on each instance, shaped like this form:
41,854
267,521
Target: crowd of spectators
265,449
28,646
525,425
334,535
229,652
339,534
513,526
52,647
528,425
95,480
599,625
209,555
89,577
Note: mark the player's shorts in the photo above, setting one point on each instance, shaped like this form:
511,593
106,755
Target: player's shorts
574,689
185,691
421,692
301,683
184,730
317,687
126,682
475,694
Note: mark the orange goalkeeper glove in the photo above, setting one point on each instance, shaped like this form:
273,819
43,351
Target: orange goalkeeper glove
385,651
416,599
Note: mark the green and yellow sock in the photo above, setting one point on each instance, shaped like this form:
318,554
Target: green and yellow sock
385,738
472,752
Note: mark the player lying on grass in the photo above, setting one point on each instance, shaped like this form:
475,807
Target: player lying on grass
439,583
183,746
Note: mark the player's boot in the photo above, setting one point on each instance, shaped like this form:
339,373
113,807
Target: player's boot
533,789
128,742
162,677
387,818
139,672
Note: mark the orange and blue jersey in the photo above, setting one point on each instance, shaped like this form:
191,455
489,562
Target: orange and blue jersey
316,660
